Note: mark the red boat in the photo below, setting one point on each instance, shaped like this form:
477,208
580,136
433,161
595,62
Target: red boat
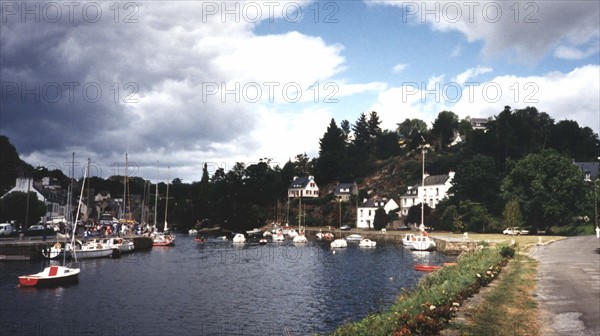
199,239
427,268
51,276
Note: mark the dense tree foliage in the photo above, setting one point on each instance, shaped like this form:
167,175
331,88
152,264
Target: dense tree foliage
495,167
549,188
14,207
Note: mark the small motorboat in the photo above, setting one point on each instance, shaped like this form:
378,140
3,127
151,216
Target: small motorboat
199,239
419,242
300,239
278,236
427,268
263,241
354,237
161,239
192,232
367,243
339,243
51,276
239,238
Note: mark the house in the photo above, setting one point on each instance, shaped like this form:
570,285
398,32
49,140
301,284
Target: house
589,169
478,123
434,189
304,186
366,211
344,191
52,195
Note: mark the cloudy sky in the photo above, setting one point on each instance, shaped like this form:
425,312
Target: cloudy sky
192,82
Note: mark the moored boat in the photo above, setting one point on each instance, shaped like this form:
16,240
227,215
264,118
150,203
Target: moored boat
367,243
161,239
354,237
51,276
339,243
427,268
418,242
239,238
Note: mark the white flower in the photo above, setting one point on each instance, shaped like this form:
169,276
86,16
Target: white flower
432,307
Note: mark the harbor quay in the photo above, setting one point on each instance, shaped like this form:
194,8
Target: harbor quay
30,249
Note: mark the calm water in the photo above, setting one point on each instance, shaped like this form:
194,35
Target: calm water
214,288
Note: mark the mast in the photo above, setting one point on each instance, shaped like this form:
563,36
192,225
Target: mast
156,197
79,207
167,198
423,188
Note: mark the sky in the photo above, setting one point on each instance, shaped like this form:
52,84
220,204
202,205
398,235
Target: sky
182,83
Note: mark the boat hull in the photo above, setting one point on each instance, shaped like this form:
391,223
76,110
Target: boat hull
427,268
51,277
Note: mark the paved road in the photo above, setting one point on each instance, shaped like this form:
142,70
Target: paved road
569,286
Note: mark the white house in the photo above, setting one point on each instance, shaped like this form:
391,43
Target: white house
48,193
366,211
435,189
303,186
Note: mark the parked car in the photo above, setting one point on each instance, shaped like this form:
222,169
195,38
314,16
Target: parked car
7,229
515,231
38,230
345,227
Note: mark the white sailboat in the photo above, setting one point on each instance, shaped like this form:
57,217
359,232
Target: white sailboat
57,275
162,238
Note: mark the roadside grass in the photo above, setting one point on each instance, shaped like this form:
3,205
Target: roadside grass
508,309
427,309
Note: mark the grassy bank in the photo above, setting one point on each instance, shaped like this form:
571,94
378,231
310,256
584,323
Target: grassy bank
509,309
427,309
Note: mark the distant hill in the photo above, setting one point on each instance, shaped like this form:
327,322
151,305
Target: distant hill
11,165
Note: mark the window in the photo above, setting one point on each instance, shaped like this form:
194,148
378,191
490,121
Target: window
437,191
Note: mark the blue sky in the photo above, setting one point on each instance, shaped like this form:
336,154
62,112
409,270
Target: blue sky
179,81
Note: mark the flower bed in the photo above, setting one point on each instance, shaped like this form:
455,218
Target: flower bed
428,308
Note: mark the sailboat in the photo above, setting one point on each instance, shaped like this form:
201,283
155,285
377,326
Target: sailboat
56,275
300,238
162,238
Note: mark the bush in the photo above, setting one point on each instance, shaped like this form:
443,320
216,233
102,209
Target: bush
507,251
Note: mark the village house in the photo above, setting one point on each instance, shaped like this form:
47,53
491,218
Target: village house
366,211
589,169
304,186
344,191
434,190
46,191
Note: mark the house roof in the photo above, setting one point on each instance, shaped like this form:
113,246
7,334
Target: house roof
344,186
300,182
373,203
436,179
589,167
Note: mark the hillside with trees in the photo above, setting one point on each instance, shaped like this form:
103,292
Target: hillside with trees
517,169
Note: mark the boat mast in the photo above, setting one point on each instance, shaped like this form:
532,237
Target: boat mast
167,197
79,206
156,197
422,227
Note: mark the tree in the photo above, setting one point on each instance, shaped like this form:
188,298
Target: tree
549,188
381,219
331,154
406,127
511,216
14,207
444,128
470,176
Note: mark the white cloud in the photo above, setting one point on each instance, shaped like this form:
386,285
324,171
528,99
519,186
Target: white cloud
572,53
527,30
398,68
463,77
573,95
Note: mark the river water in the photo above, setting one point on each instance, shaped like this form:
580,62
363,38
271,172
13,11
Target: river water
214,288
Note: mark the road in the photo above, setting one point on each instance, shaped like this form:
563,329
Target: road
568,290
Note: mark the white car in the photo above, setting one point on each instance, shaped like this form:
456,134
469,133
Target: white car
515,231
6,229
